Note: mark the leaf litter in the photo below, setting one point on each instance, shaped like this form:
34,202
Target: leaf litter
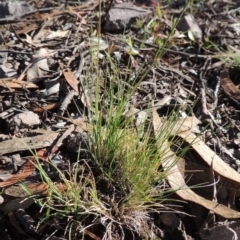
58,60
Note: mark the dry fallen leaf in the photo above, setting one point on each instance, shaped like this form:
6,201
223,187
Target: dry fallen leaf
70,78
177,181
46,107
39,67
210,157
56,34
16,84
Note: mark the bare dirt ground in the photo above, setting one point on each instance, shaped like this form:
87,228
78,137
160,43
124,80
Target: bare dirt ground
181,56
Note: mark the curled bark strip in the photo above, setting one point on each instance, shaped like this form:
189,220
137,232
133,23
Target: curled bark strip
27,170
228,86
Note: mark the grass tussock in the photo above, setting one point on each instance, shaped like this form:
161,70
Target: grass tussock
121,184
116,184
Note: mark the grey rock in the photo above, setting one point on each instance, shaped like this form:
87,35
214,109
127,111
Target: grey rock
3,56
14,8
186,23
178,3
26,119
123,15
222,232
169,221
77,141
7,72
1,200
